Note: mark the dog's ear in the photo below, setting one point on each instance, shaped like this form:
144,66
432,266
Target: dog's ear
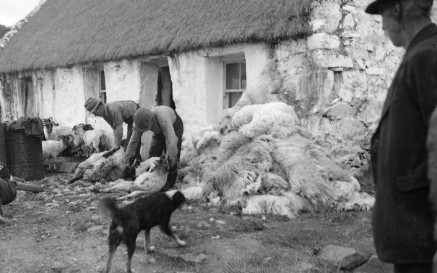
178,198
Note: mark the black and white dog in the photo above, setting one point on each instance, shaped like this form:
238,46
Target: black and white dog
143,214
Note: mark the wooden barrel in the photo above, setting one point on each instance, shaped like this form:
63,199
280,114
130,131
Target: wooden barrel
2,143
24,155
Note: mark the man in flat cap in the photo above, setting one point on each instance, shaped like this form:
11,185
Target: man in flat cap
115,114
402,216
167,128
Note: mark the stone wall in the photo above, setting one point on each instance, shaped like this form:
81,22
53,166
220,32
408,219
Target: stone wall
337,79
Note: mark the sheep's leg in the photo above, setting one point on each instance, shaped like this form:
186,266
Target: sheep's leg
54,168
50,164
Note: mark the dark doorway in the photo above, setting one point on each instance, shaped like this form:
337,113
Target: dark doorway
27,98
165,88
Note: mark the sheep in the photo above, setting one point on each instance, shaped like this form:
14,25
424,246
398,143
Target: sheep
52,148
152,179
93,140
99,166
52,131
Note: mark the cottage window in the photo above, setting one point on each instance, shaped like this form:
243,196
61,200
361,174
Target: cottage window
102,94
235,82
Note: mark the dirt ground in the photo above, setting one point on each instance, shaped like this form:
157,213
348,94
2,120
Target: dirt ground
61,231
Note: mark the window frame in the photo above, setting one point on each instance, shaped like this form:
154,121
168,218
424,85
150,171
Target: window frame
102,80
226,96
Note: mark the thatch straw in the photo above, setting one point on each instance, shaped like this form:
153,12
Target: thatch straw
65,32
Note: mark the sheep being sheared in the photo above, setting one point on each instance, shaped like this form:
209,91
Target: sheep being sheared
52,148
152,175
98,167
154,179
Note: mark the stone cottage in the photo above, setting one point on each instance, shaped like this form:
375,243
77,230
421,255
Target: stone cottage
200,56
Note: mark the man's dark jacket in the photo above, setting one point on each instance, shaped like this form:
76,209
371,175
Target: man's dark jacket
402,219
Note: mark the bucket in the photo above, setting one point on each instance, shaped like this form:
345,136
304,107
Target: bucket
24,155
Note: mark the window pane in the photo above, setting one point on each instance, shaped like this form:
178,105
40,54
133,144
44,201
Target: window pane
243,75
232,76
234,97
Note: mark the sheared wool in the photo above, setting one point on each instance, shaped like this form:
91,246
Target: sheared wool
230,143
193,134
358,201
269,204
267,159
207,138
269,118
193,192
231,175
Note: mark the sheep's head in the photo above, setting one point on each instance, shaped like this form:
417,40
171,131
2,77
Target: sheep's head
77,127
49,123
162,164
80,128
66,139
87,127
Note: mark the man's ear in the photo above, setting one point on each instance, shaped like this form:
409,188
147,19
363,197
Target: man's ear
397,10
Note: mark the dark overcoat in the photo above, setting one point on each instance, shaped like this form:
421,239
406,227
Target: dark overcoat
402,220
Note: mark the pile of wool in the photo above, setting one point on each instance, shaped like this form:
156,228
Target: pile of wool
265,161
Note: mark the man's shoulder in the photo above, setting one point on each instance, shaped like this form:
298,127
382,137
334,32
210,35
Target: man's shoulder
425,52
163,109
120,102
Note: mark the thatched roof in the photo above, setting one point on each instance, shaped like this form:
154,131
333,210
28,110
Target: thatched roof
3,30
67,32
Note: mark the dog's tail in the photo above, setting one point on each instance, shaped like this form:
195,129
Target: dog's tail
108,207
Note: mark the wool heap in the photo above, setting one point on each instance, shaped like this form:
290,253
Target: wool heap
264,160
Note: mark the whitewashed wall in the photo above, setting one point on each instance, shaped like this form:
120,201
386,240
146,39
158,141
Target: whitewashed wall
198,79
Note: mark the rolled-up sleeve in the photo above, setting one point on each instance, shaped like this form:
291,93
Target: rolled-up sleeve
135,140
114,114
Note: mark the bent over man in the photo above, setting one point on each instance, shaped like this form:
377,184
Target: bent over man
167,128
115,113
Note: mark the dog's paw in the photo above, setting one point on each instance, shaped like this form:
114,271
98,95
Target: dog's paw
181,242
150,249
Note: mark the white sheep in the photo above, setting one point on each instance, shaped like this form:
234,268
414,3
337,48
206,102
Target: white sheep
94,140
52,129
151,177
52,148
